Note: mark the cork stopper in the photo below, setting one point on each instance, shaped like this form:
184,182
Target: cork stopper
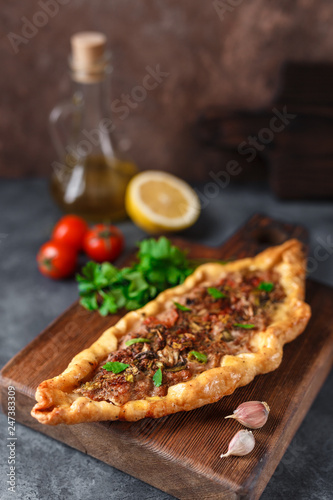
89,57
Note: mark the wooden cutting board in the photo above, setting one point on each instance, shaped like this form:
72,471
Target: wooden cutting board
180,453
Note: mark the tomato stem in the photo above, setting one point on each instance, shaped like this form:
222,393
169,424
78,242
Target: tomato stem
47,262
106,233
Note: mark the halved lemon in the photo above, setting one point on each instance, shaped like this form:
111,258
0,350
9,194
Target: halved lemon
157,201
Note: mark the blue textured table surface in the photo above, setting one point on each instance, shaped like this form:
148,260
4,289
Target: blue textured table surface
47,469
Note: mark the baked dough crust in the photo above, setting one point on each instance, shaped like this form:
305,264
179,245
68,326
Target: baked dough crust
57,403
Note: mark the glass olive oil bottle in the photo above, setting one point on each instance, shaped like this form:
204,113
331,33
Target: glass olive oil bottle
91,175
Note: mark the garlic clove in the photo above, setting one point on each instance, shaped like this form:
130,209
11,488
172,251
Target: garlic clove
251,414
241,444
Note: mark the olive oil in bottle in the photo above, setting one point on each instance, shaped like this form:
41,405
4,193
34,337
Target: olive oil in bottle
91,176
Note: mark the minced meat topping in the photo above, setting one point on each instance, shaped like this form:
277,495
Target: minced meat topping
189,337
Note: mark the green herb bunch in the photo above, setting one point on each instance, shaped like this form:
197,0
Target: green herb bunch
159,265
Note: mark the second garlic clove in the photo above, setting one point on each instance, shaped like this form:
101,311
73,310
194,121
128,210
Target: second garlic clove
241,444
251,414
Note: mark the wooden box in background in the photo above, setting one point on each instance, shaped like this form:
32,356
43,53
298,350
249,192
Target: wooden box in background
292,139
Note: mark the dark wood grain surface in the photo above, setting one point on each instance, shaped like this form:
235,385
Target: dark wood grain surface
180,453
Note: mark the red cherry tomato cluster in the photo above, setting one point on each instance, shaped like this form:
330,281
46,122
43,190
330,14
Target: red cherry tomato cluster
58,257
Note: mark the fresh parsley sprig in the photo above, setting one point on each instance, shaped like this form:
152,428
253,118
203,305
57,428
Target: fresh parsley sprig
159,265
137,341
266,286
199,356
115,366
181,307
216,293
246,326
158,377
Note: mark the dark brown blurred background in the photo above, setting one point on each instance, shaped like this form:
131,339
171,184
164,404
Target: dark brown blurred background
229,63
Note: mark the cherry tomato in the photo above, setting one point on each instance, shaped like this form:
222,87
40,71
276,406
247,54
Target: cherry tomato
103,243
56,260
70,230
